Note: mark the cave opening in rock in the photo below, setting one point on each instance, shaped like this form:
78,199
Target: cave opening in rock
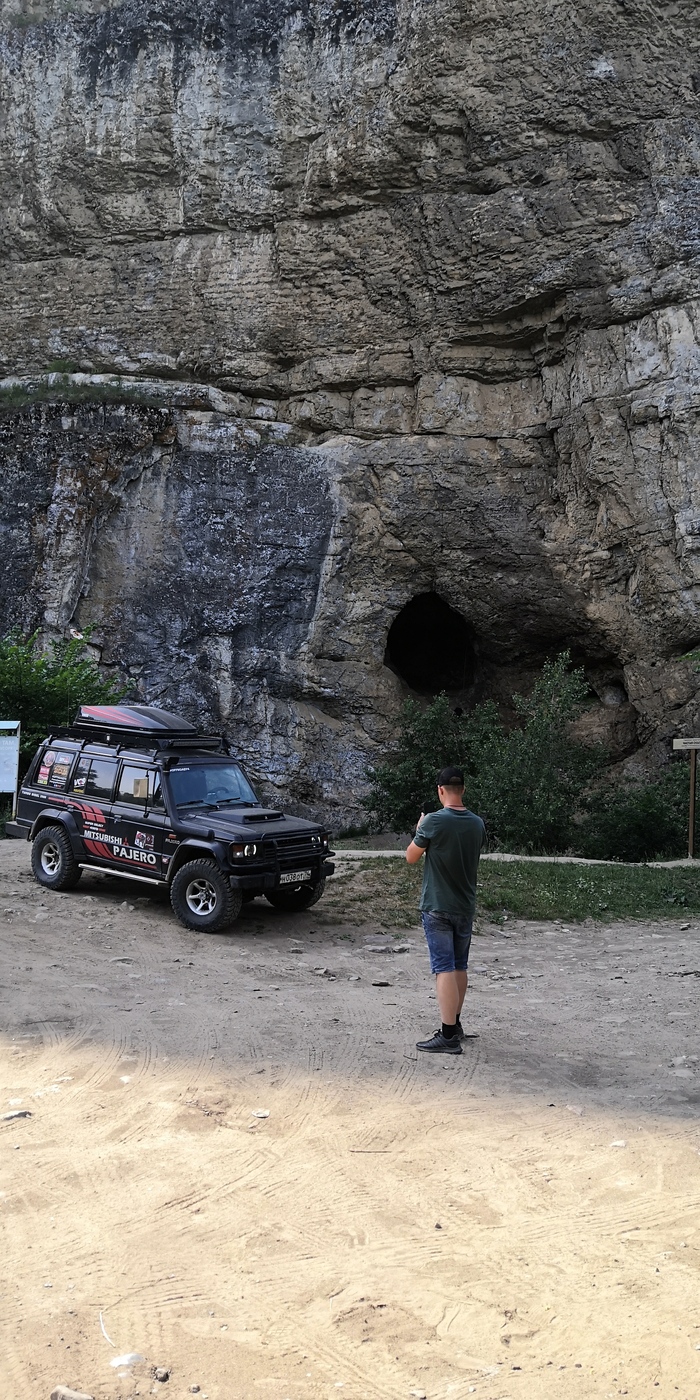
430,646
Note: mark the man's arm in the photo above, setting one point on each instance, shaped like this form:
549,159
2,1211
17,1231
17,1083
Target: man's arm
414,852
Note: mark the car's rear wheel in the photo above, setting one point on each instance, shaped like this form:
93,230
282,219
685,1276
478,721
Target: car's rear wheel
202,898
53,862
294,898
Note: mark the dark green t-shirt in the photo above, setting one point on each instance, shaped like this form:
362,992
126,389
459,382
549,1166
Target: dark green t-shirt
452,841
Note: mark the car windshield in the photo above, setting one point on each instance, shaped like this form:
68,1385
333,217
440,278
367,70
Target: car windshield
211,785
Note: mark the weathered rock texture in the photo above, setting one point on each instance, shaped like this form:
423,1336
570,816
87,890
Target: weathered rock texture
310,308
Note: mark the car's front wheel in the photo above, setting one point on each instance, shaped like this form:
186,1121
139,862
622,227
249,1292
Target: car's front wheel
202,898
53,862
294,898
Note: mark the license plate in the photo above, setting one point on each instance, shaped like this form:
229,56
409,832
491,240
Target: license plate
294,877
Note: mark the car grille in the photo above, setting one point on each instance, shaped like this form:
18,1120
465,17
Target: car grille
291,850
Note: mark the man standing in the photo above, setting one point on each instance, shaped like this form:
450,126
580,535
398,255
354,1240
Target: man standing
451,841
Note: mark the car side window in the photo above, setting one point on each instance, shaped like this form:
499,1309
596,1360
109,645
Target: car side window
82,768
54,769
156,801
32,777
133,786
100,779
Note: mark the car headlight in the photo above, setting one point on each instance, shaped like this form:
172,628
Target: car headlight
239,851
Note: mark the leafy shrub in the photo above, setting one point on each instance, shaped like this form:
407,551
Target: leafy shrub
637,823
44,689
404,785
525,783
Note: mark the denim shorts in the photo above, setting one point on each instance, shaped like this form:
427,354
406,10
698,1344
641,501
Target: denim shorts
448,937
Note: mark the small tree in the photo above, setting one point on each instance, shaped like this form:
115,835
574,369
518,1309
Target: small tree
404,785
525,783
531,781
44,689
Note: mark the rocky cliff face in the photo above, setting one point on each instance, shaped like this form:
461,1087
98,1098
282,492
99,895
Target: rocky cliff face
313,309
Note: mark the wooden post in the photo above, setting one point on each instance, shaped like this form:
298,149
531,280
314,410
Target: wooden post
691,809
693,745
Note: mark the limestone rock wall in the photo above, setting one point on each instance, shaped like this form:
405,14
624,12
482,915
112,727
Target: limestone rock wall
310,308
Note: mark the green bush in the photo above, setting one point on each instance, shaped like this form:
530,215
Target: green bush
43,689
637,823
525,783
404,786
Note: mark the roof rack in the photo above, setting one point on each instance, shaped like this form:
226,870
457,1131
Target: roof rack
116,739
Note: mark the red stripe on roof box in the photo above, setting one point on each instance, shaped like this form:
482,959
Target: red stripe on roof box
111,714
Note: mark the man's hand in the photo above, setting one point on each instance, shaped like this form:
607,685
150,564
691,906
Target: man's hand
414,852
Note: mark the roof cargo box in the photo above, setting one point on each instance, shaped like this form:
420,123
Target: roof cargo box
144,719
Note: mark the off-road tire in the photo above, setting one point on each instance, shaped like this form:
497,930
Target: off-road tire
53,862
295,898
201,885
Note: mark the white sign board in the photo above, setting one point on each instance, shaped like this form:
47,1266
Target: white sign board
9,755
686,743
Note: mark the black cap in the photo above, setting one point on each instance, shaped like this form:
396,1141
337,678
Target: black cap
451,777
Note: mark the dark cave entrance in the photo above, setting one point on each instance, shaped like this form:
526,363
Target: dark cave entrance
430,646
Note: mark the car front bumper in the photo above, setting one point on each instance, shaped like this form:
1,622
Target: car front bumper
270,879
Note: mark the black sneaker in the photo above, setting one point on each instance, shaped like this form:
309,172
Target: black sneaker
440,1045
465,1035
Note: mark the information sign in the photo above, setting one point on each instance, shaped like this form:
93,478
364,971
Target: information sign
693,745
9,758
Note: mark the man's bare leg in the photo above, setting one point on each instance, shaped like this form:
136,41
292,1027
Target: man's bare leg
451,990
448,993
461,989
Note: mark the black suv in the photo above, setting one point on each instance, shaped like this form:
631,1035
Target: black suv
137,792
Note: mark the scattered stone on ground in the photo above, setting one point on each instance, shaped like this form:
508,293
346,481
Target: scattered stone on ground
62,1392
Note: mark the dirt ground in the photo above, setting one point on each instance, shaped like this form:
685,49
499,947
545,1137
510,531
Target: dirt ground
520,1222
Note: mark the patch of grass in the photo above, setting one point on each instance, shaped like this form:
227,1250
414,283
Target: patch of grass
65,390
364,842
62,367
16,397
386,892
553,891
387,897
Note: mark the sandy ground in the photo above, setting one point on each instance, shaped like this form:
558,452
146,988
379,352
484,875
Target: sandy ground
520,1222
